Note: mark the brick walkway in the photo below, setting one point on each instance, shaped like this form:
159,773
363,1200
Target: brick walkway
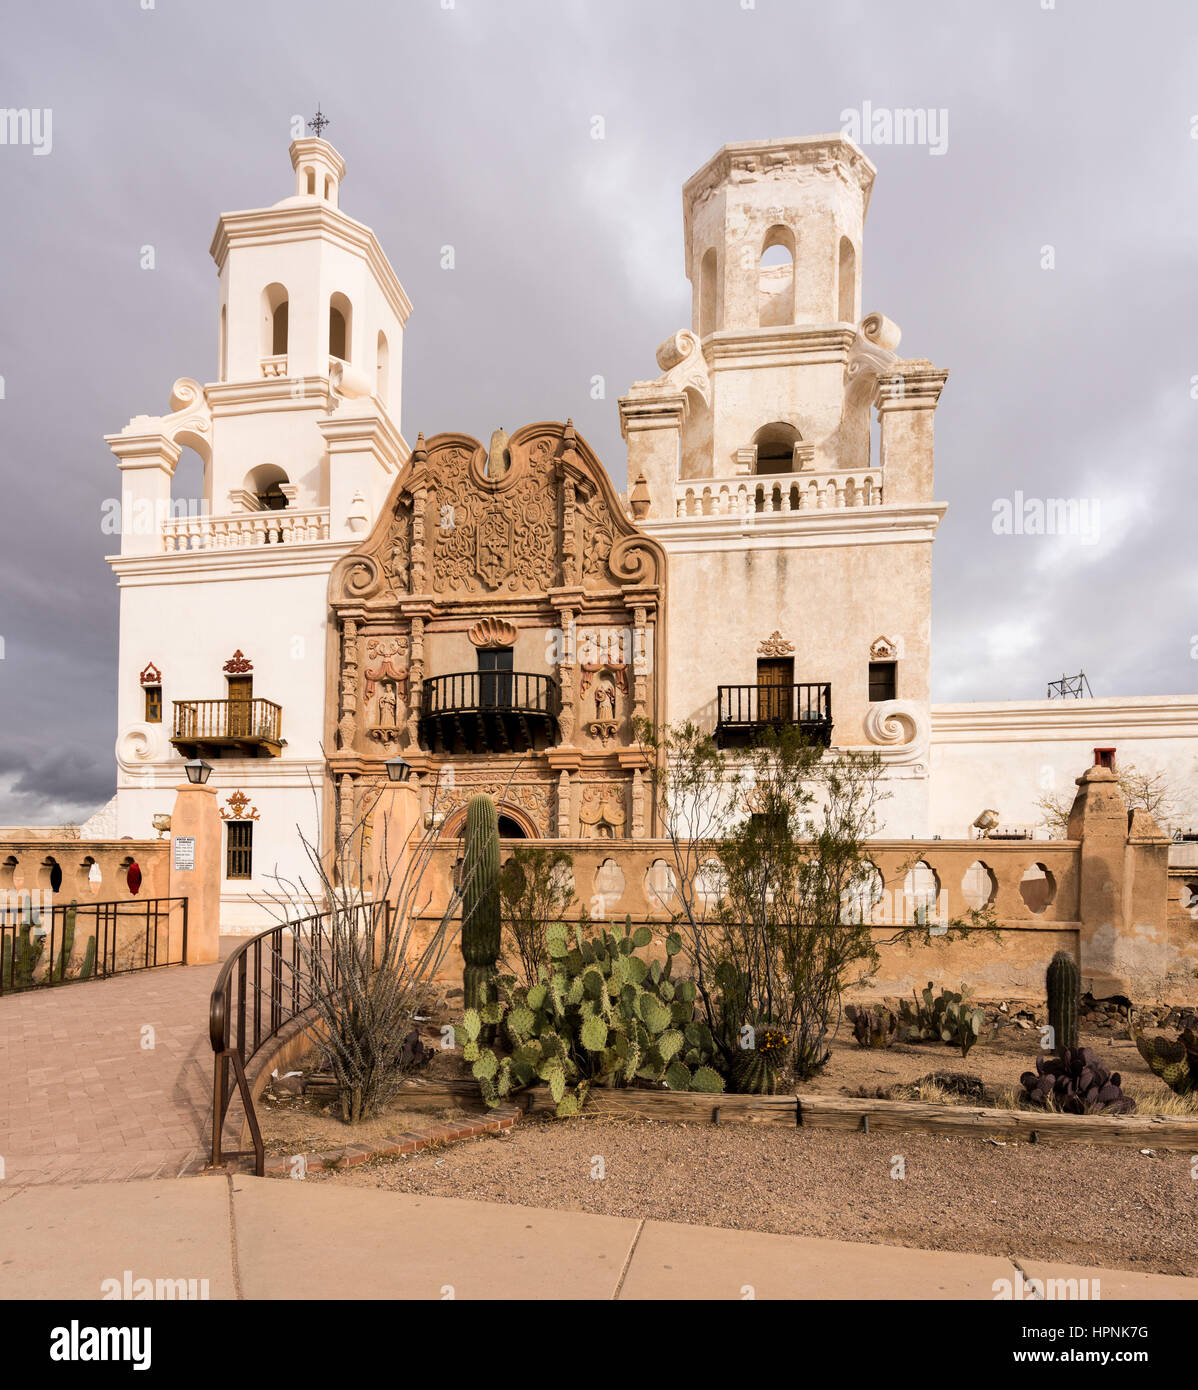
85,1098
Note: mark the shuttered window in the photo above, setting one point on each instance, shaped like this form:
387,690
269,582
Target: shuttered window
882,680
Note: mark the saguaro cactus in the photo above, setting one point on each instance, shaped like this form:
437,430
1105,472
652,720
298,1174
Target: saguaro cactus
20,956
480,901
67,944
1064,984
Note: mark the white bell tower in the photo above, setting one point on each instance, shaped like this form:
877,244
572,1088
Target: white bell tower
224,614
311,333
800,557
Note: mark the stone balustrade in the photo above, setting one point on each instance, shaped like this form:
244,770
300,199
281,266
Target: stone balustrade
245,529
777,492
86,870
1108,898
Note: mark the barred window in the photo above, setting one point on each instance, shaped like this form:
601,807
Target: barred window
239,849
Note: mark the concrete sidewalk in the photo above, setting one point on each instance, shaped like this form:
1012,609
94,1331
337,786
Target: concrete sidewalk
276,1239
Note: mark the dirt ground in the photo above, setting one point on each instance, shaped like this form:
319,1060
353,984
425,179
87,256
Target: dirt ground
1077,1203
1112,1208
292,1125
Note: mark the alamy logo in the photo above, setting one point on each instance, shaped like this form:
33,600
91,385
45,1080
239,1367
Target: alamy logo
904,125
22,126
1048,516
170,1290
1036,1290
77,1343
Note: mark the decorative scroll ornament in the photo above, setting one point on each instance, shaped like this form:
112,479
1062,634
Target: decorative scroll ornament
602,811
617,669
238,664
237,803
151,675
901,729
189,422
776,645
883,649
492,632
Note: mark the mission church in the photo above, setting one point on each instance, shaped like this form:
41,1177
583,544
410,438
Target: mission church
495,613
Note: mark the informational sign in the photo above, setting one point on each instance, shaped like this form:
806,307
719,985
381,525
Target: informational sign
185,851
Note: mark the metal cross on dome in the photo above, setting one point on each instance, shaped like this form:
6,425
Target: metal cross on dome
318,123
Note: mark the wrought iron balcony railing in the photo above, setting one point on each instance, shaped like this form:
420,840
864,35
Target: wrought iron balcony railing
744,710
489,711
251,727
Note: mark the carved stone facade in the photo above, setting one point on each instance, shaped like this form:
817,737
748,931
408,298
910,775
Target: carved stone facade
499,628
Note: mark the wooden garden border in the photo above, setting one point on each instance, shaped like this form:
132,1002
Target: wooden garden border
882,1116
849,1113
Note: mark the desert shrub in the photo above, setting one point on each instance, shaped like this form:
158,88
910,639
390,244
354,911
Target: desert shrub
535,890
367,973
788,822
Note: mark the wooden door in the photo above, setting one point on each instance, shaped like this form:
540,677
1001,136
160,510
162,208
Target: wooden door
495,678
241,695
775,687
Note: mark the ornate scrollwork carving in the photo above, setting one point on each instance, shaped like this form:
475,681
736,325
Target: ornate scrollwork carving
776,645
901,729
361,577
633,560
492,632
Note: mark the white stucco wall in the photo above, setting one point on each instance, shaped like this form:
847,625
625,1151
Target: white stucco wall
1005,755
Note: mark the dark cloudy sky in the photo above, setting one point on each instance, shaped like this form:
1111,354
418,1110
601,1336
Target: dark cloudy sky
470,124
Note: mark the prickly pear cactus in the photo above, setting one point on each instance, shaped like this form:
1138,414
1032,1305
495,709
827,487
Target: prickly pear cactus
874,1025
962,1025
1175,1062
598,1015
19,957
1076,1083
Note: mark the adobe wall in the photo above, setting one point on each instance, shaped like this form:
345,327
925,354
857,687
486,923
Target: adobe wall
1117,908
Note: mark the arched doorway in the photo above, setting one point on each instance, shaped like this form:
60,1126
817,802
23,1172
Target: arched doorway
514,824
510,828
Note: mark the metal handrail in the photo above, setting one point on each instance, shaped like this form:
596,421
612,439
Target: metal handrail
748,705
227,719
238,1031
101,923
464,692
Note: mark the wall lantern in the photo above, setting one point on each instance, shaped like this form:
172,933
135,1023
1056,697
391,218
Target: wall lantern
398,769
198,771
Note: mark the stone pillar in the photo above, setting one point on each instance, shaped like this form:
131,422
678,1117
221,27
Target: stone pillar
906,399
147,463
396,819
1123,877
362,444
652,428
195,869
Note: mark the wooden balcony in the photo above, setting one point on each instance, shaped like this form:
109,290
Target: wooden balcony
489,712
743,711
228,728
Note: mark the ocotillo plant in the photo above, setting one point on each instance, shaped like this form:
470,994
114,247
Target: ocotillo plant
1063,983
481,921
